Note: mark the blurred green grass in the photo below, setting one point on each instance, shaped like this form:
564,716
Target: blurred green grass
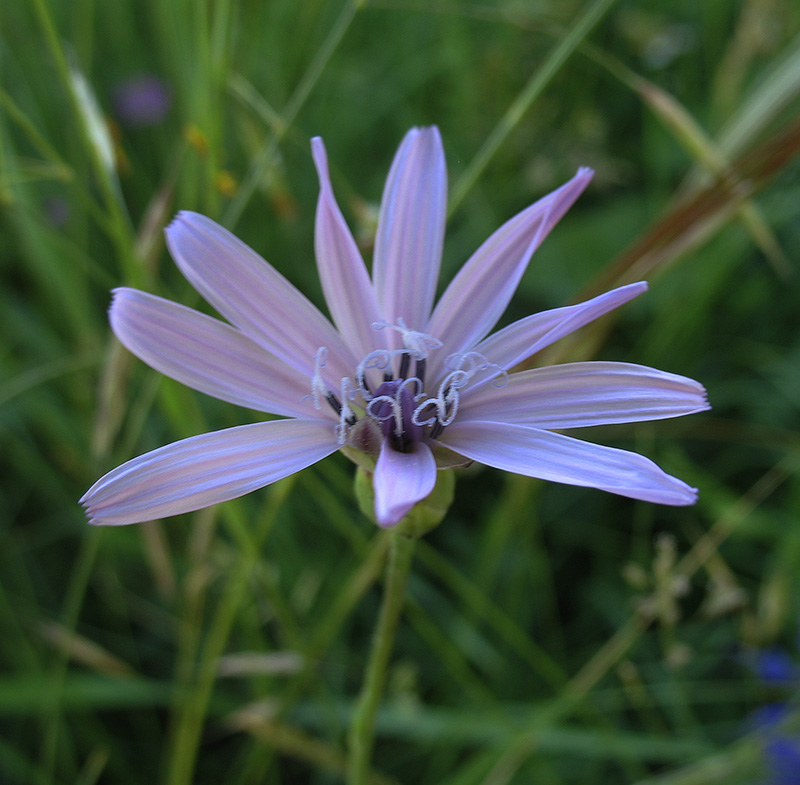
553,635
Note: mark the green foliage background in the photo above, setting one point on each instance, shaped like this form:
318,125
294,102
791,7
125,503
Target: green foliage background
552,634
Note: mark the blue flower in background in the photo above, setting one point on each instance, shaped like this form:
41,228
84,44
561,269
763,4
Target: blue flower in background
776,668
781,746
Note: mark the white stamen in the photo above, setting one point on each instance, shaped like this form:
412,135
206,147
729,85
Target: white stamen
501,380
319,391
475,363
346,415
455,380
407,383
415,417
416,343
449,397
379,359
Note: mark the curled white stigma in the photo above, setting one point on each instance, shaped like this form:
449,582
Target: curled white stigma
416,343
472,363
346,415
319,391
379,359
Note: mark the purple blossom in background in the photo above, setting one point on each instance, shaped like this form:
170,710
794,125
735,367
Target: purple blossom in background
780,739
780,746
142,101
782,757
399,383
775,667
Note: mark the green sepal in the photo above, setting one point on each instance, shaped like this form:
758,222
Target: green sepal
424,516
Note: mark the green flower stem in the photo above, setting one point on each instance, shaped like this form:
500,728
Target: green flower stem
362,728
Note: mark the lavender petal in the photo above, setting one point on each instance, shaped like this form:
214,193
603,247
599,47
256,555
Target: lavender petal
480,292
345,281
532,452
206,469
525,337
206,354
408,244
401,480
576,395
255,297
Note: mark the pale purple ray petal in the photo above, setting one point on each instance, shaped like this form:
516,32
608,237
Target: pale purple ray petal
576,395
480,292
525,337
345,281
408,243
255,297
207,355
401,480
522,449
207,469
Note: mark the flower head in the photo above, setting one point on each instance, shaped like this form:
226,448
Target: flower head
394,381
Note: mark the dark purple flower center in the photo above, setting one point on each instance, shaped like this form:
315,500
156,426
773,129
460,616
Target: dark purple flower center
404,412
393,407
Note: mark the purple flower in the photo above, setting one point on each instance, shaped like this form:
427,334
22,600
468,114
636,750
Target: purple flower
782,759
142,101
776,722
397,383
780,743
775,666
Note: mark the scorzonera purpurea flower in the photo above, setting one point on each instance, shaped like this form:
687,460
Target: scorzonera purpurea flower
391,378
